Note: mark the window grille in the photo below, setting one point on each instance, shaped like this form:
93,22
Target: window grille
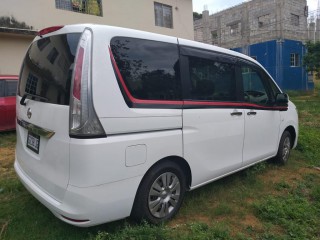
92,7
294,60
163,15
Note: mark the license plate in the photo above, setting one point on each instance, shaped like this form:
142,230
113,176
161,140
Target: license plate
33,142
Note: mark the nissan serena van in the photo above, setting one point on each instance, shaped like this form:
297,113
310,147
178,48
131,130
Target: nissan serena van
114,122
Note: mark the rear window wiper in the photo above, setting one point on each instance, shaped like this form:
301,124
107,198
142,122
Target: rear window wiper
22,101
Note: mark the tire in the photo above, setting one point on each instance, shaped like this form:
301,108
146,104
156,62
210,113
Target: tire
284,148
160,193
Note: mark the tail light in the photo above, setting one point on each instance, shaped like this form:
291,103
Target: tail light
84,122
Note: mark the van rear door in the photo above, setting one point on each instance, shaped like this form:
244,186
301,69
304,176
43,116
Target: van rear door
42,151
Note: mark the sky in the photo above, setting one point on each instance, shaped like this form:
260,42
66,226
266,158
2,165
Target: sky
217,5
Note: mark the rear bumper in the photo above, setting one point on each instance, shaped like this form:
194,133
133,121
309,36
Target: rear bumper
90,205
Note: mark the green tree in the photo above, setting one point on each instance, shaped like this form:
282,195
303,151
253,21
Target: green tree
312,59
197,15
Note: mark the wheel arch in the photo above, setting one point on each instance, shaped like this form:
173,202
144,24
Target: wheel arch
293,134
181,162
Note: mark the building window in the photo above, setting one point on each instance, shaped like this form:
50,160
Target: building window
163,15
263,20
294,60
294,19
234,29
92,7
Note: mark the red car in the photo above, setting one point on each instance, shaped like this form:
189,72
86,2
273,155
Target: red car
8,89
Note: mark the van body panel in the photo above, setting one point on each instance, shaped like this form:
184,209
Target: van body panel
96,203
261,135
101,161
141,124
213,142
289,118
49,168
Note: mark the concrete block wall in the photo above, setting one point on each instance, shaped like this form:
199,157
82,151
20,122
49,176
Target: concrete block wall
253,22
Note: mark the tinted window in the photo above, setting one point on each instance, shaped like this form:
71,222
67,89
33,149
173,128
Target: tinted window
150,69
212,80
2,82
254,86
47,68
274,89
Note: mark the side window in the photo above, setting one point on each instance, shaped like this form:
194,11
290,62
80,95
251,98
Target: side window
8,88
212,80
150,69
2,82
11,87
254,86
274,89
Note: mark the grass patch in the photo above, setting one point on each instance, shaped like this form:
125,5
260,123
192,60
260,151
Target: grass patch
190,231
297,212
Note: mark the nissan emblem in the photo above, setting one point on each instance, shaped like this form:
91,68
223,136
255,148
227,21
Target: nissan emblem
29,113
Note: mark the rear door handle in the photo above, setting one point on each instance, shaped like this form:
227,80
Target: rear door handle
251,113
236,113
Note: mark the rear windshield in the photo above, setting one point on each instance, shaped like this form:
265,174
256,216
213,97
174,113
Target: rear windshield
47,68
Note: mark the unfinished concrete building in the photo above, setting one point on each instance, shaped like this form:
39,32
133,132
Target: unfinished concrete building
271,31
314,25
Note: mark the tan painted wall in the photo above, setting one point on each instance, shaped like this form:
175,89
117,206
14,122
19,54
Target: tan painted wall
136,14
12,51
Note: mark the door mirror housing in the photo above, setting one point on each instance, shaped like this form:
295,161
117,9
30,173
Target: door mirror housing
282,99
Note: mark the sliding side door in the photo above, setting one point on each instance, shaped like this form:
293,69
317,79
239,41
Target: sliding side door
213,123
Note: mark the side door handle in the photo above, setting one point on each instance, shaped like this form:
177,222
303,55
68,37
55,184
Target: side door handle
236,113
251,113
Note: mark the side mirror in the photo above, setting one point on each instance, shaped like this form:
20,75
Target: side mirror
282,99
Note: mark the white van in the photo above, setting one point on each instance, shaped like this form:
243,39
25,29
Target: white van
113,122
